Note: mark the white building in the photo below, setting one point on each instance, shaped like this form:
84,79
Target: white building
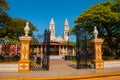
53,38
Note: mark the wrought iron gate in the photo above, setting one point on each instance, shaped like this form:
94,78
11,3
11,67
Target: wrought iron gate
42,62
83,52
46,51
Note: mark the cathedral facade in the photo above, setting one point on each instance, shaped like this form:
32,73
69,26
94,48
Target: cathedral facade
56,46
53,38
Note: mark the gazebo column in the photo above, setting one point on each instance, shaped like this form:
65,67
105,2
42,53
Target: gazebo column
63,51
59,50
73,51
41,50
66,51
45,49
37,51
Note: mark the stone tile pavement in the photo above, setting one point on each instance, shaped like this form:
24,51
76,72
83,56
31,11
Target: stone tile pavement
60,68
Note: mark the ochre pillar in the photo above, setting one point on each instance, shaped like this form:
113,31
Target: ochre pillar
24,63
98,62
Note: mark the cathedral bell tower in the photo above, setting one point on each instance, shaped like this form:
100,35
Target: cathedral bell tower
66,30
52,30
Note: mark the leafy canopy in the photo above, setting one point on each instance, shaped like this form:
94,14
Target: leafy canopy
11,29
3,14
104,15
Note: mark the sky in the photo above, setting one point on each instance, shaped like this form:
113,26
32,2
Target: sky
40,12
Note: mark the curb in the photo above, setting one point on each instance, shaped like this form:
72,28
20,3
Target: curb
88,77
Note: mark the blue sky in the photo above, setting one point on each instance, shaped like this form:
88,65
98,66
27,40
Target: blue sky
40,12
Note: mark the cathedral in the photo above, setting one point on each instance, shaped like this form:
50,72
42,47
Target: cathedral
56,45
57,48
59,38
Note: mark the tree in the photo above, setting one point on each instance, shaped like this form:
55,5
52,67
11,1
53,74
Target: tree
12,28
118,1
106,16
3,14
40,37
15,28
35,41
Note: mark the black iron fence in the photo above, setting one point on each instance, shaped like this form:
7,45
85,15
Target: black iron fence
36,63
83,52
46,53
42,62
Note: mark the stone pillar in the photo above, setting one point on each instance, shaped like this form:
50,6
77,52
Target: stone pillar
98,62
97,43
24,63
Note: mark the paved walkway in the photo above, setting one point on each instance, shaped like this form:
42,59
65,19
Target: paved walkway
61,68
